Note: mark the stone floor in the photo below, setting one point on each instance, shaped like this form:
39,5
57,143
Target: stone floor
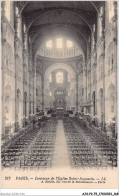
60,158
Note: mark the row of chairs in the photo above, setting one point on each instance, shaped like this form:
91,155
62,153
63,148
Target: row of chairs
40,154
33,149
102,147
86,149
11,155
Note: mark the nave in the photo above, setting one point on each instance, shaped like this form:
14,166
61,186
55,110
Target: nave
58,143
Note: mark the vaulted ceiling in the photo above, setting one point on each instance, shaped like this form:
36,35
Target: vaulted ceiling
73,18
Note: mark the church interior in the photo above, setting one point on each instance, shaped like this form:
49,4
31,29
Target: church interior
59,84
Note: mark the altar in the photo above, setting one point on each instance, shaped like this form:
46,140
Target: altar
60,112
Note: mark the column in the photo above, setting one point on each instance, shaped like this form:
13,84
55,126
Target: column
102,16
34,89
103,89
94,66
86,81
30,64
29,71
115,41
77,92
3,37
42,87
15,57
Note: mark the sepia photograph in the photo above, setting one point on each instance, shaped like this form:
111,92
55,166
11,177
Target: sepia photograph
59,94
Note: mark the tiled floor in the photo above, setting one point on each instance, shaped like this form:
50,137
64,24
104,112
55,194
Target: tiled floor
60,158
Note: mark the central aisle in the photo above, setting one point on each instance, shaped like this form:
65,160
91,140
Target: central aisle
60,158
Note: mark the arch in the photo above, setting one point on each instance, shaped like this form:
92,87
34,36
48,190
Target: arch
110,46
18,66
110,58
72,86
111,90
100,93
8,89
41,33
55,52
8,104
60,66
100,67
23,5
47,11
8,56
111,100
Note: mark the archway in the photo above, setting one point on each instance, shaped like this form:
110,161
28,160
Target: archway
8,117
111,98
70,96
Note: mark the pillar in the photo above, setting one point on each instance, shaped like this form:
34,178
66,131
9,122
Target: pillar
34,89
115,41
77,92
15,57
102,17
3,39
42,87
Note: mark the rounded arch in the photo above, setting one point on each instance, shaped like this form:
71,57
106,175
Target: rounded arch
111,90
56,9
70,99
8,106
110,58
70,32
8,56
110,46
100,104
100,67
19,67
111,101
60,66
100,93
24,5
8,89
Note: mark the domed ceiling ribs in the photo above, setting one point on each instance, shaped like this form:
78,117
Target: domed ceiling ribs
22,4
74,34
39,18
87,16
